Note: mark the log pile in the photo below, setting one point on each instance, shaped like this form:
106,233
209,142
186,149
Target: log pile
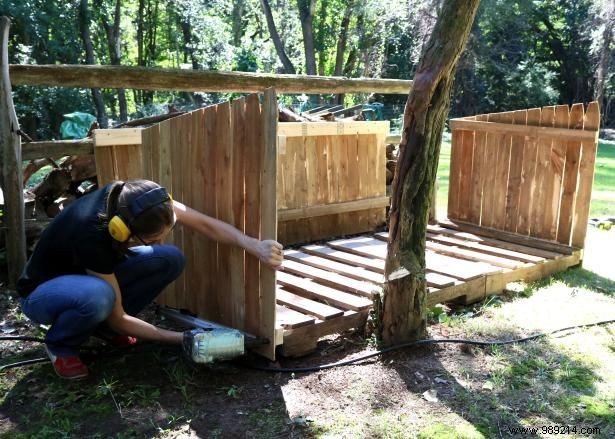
391,151
325,115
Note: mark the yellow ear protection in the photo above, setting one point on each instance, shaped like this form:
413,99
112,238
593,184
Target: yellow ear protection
119,226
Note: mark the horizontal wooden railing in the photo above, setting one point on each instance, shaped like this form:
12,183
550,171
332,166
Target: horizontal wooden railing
147,78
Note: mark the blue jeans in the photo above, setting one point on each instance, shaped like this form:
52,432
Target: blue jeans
75,304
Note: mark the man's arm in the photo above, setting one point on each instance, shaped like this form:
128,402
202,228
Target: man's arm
125,324
267,251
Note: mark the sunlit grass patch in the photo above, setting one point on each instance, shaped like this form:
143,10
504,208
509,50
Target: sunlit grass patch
446,431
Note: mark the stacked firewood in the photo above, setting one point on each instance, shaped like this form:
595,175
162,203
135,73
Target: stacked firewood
288,115
391,152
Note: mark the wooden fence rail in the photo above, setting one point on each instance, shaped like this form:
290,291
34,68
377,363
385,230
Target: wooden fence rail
529,172
147,78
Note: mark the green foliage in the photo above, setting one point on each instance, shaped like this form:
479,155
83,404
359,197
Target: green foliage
521,53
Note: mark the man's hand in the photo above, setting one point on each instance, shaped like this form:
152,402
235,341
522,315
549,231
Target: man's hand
270,252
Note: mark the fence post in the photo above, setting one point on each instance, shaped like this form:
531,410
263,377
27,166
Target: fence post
12,175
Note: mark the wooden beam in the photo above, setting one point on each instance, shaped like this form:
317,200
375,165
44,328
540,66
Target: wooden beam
303,129
330,209
525,130
147,78
269,219
121,136
502,235
12,181
56,148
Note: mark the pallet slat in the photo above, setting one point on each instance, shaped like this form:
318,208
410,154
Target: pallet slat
311,290
306,306
336,280
337,267
287,318
376,265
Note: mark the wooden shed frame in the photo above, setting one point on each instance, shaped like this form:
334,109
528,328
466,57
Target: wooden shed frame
219,161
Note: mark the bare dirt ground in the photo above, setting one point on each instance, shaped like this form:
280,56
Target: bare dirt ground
436,391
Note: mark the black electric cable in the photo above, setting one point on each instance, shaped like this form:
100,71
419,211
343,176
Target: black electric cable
352,360
419,343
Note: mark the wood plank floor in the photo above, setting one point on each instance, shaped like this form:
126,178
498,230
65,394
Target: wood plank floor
328,288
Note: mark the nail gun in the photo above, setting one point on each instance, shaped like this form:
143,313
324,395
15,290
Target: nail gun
207,341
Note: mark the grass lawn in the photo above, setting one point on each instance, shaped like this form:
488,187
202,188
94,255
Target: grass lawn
564,381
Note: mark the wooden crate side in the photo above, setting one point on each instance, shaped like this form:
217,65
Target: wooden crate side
586,176
129,165
489,190
465,174
478,174
570,180
105,167
527,190
322,172
224,209
198,283
168,296
553,178
179,145
514,177
502,166
268,217
209,247
237,259
455,174
254,159
543,168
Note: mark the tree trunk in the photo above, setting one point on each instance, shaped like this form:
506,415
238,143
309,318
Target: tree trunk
306,15
277,42
342,40
84,24
11,178
238,23
113,42
603,65
403,309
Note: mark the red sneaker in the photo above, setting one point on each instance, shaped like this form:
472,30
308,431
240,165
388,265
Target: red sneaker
70,368
123,340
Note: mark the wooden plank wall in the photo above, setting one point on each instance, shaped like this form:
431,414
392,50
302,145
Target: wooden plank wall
219,160
330,183
529,172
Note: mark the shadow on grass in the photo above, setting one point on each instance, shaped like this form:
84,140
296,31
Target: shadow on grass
579,277
147,393
527,384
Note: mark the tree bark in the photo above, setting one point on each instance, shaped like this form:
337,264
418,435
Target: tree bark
238,22
403,303
306,15
84,24
342,41
11,178
115,54
277,42
603,65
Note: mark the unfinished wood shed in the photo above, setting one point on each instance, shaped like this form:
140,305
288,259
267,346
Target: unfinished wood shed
519,195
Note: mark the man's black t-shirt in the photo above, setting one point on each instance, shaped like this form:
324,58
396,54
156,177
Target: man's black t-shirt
75,240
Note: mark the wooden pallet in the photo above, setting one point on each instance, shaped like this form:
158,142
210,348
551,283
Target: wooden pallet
328,288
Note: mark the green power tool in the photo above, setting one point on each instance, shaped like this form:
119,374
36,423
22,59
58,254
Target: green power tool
208,341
